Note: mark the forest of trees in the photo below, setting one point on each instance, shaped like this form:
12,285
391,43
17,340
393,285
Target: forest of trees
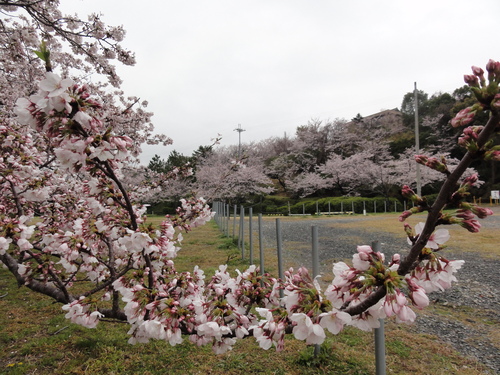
371,156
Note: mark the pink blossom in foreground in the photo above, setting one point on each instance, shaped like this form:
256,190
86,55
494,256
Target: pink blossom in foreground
334,321
417,294
436,275
4,244
361,260
368,320
268,331
306,330
78,313
439,237
54,84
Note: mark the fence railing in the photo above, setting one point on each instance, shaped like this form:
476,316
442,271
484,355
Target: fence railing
322,208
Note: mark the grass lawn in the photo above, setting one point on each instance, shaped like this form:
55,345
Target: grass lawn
37,339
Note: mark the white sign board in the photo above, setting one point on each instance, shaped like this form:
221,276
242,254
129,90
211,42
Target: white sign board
495,194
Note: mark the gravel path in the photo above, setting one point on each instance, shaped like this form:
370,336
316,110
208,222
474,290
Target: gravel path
477,287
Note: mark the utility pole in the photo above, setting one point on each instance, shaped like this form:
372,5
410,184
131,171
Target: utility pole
239,130
417,141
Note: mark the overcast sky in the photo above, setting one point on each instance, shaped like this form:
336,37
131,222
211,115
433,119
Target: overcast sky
206,66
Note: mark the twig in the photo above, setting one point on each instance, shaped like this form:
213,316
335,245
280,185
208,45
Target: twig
59,330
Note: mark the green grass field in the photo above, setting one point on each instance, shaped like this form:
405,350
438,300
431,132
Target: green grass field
36,338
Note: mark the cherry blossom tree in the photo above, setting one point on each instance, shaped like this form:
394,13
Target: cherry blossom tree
78,49
283,169
220,176
62,160
363,174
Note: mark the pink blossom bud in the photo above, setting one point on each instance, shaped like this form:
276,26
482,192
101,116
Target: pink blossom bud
464,117
477,71
471,80
421,159
406,214
473,131
400,298
407,192
469,137
472,226
435,164
465,214
482,212
365,249
471,180
419,298
388,306
480,74
492,155
491,66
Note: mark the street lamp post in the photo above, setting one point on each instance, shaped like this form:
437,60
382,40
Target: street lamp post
417,141
239,130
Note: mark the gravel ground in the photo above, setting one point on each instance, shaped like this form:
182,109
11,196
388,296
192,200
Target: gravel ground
477,287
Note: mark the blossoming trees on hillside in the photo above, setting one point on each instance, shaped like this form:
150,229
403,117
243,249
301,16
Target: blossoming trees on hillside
62,160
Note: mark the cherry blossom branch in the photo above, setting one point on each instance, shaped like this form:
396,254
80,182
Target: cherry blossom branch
20,210
444,196
36,286
96,31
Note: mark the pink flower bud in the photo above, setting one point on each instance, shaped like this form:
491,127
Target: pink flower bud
421,159
491,66
471,80
473,131
492,155
365,249
477,71
480,74
419,298
405,215
482,212
472,226
464,117
407,192
400,298
435,164
465,214
471,180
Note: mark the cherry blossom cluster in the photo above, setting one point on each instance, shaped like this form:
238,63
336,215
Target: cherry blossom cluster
488,97
219,311
91,39
90,229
